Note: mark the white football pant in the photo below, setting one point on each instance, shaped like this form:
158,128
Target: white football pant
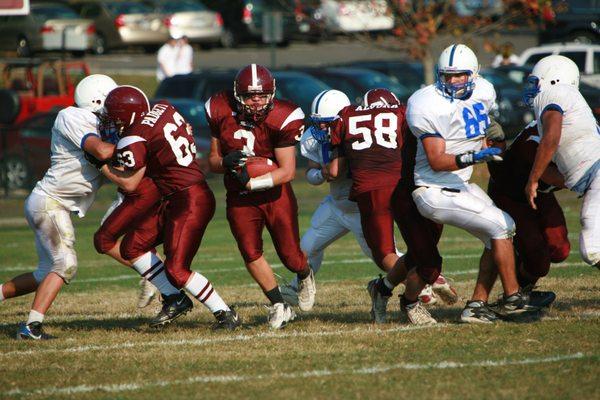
54,237
589,238
470,209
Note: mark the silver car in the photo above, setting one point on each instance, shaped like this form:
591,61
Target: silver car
192,19
48,26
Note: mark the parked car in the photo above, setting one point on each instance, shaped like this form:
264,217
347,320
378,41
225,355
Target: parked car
355,82
348,16
409,74
577,21
586,56
48,26
243,19
30,86
123,23
190,18
25,150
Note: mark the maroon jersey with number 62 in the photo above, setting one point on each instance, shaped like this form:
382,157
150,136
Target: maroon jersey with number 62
282,127
161,143
371,138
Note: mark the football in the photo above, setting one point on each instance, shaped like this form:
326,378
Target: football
258,166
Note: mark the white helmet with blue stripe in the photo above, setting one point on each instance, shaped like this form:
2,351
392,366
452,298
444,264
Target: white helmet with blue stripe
457,59
327,105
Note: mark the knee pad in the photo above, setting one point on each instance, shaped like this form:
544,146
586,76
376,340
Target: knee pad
560,253
66,268
103,241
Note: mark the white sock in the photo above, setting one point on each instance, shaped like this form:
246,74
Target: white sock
388,284
199,287
149,266
1,293
35,316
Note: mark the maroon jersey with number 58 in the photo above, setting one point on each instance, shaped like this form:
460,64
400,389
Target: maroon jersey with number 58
161,143
371,138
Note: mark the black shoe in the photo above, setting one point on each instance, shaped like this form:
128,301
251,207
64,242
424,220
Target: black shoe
174,306
516,303
228,320
32,331
538,297
477,312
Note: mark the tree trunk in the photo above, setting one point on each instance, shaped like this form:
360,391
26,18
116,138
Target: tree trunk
428,65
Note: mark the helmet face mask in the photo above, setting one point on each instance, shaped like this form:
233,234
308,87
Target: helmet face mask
254,91
457,59
91,92
124,105
549,71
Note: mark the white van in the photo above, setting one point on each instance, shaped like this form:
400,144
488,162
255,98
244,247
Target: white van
586,56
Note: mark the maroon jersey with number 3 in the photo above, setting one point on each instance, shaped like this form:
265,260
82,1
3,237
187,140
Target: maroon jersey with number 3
161,143
282,127
371,139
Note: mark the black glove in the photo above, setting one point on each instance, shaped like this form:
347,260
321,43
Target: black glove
234,159
242,175
93,160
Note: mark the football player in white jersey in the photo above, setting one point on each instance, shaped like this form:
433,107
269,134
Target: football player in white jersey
570,137
449,119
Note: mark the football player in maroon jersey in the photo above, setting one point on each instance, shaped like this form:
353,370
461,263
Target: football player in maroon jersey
541,235
370,138
249,121
156,143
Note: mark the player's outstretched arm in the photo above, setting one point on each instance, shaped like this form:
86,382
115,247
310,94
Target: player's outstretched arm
128,180
215,157
552,123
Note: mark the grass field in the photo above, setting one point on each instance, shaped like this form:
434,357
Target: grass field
104,349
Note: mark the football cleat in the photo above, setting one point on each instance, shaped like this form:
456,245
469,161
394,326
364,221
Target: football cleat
147,293
477,312
539,297
174,306
280,314
415,313
443,289
516,303
306,292
32,331
289,294
427,297
378,302
228,320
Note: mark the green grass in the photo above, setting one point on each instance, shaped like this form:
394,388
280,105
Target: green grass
105,350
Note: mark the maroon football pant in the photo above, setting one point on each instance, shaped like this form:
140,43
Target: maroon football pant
420,234
136,206
179,222
541,235
279,215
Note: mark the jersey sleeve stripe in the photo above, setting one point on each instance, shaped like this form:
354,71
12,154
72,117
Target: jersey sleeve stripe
207,107
426,135
295,115
552,107
129,140
86,136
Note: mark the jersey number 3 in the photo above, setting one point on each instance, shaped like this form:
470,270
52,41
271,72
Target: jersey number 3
382,129
182,148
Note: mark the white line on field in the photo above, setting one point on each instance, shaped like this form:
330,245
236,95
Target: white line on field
316,373
241,337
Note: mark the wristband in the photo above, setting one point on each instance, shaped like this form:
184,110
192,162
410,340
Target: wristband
314,176
262,182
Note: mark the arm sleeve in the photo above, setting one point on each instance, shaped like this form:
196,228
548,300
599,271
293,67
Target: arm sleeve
551,100
210,113
420,125
77,126
132,152
291,132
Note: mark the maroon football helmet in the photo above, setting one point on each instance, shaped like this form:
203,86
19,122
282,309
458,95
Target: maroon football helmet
126,104
381,97
251,80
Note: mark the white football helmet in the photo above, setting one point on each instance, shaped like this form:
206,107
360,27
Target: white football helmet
92,90
455,59
327,105
550,70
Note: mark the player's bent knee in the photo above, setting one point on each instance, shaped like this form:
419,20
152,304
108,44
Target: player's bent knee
67,267
560,253
103,241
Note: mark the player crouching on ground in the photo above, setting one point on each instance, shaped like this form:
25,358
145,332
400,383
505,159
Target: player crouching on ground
249,121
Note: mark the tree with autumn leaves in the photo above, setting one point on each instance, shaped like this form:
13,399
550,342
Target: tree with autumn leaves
418,22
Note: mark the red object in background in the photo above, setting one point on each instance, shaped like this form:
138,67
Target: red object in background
120,21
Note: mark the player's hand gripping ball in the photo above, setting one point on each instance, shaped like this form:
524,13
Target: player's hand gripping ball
254,167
